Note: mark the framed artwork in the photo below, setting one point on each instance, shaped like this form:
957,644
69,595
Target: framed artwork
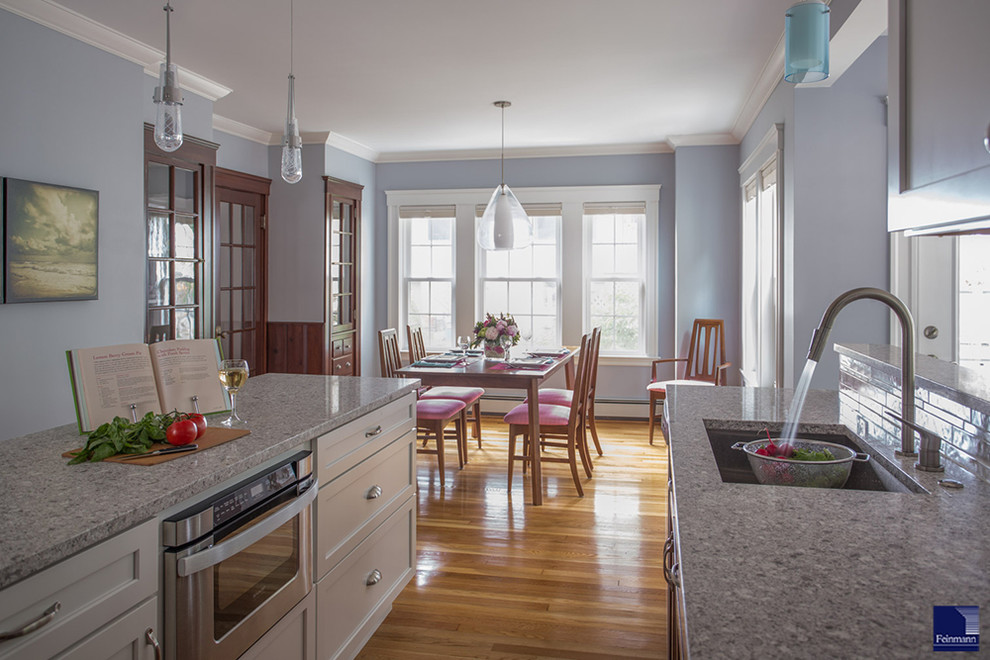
50,241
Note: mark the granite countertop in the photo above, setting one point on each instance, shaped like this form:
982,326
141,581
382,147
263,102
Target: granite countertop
776,571
51,510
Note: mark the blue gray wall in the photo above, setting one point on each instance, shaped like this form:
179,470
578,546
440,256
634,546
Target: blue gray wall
834,186
708,251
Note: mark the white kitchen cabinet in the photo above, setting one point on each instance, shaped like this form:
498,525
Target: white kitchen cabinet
129,637
365,537
92,588
292,638
939,111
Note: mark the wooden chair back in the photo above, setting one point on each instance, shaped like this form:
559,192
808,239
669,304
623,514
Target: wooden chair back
706,353
388,349
596,342
417,349
582,380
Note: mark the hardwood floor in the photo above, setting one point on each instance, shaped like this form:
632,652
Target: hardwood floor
499,578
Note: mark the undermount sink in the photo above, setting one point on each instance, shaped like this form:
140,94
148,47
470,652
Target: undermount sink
877,474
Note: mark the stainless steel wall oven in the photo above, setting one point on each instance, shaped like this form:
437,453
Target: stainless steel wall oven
238,562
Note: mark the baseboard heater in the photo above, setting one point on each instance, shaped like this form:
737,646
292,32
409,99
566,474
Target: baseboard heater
499,404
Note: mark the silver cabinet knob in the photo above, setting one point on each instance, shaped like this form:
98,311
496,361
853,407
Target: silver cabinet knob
931,332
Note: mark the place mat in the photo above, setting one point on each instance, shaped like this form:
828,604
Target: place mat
551,353
519,366
212,438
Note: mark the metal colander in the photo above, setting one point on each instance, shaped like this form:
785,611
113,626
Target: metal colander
810,474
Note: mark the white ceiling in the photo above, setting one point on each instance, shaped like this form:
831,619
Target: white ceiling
409,79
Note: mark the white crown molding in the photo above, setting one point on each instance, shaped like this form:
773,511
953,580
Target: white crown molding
308,137
527,152
865,24
702,140
233,127
61,19
772,73
353,147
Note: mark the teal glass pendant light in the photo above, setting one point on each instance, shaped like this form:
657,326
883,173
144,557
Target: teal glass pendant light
504,225
806,42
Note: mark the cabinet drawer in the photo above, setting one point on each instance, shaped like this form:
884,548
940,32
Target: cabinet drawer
354,598
357,501
93,588
292,638
343,366
343,346
345,447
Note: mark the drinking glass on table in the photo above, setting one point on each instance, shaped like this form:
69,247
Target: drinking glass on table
463,343
233,375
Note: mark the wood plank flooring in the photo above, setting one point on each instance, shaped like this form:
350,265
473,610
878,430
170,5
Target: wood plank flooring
499,578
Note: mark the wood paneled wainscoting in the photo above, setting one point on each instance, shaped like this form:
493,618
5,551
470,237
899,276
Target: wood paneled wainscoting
579,577
295,347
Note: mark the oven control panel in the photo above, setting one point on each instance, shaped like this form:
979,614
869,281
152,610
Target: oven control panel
251,494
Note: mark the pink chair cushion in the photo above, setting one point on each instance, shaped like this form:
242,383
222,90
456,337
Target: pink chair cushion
434,409
661,385
556,396
550,415
466,394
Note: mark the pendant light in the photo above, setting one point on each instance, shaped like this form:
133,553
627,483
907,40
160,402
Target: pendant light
806,34
291,142
504,225
168,96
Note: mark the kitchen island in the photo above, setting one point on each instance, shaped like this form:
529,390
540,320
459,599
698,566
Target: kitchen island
51,510
775,571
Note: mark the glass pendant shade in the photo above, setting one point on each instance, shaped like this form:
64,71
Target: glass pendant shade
504,225
291,142
168,96
806,34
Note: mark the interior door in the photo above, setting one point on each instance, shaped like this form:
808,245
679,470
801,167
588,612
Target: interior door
242,245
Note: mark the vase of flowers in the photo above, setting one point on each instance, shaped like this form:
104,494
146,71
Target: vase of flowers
497,334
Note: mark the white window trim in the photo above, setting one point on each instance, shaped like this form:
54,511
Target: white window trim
572,200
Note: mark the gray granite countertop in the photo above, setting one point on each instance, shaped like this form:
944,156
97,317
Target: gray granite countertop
50,510
781,572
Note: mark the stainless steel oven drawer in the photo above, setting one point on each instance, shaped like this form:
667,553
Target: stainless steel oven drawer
355,596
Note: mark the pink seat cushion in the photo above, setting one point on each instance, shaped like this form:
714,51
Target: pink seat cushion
661,385
434,409
550,415
556,396
466,394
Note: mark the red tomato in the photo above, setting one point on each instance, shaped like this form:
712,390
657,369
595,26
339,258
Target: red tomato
181,432
200,422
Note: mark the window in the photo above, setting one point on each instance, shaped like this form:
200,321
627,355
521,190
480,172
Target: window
593,262
526,283
974,302
616,285
428,272
762,343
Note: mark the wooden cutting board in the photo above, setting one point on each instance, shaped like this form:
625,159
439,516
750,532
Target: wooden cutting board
212,438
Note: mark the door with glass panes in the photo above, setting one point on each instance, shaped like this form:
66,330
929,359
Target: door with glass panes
241,230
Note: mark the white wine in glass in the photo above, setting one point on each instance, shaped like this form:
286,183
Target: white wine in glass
233,375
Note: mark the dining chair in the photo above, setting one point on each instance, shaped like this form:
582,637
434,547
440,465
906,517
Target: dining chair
471,396
560,426
432,415
562,397
705,363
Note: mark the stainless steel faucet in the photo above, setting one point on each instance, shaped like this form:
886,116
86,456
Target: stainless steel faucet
820,336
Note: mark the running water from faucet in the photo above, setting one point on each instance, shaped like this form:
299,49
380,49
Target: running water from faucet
797,404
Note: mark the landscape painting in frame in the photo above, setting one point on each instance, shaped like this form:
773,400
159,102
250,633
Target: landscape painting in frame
51,242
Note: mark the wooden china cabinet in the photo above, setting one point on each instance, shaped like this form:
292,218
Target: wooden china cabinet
341,327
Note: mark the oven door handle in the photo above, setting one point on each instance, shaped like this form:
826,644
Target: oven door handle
215,554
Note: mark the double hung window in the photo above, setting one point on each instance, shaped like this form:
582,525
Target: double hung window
427,263
616,275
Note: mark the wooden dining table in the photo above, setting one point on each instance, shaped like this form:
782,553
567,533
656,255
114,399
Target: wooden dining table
481,372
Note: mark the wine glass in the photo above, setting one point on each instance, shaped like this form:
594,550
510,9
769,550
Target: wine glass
463,343
233,374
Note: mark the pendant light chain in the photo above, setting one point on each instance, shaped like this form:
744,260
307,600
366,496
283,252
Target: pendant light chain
503,145
292,42
168,33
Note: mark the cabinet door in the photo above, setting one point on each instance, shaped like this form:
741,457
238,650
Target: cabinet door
343,270
292,638
130,637
939,167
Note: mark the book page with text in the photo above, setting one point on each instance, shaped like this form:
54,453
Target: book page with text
107,380
186,368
